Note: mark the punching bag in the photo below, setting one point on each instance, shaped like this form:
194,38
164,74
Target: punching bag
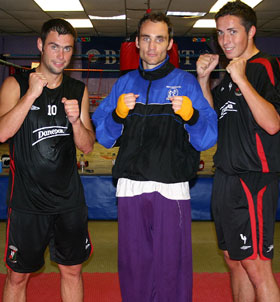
173,55
129,56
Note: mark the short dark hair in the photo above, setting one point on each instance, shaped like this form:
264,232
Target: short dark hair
156,17
61,26
239,9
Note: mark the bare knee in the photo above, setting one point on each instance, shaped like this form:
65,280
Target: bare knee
232,264
71,272
17,279
258,270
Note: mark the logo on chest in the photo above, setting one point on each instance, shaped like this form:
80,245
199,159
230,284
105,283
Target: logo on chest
34,108
235,89
237,92
48,132
172,91
226,108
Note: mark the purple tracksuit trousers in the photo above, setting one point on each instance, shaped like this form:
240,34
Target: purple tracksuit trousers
155,251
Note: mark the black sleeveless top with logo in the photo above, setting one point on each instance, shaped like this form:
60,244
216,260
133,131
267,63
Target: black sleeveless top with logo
43,168
243,146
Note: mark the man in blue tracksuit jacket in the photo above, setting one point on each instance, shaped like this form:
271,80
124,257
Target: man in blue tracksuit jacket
160,119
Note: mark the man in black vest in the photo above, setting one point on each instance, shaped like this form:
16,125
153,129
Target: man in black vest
245,189
45,116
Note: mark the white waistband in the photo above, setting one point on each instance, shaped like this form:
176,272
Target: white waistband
128,188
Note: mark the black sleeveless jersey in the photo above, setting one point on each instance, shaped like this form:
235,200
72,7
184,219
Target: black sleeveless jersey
242,144
43,168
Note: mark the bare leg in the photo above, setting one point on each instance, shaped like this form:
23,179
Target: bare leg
15,287
261,275
71,283
242,287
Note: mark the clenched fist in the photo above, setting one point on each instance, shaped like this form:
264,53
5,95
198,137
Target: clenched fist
37,82
72,109
236,68
126,102
182,106
206,64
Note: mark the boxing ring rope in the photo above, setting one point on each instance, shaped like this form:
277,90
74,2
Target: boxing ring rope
90,58
87,69
67,69
12,64
90,69
86,56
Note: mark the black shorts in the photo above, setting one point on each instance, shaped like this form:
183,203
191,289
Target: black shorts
244,210
28,236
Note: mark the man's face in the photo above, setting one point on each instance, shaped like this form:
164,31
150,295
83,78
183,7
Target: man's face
57,51
153,43
233,38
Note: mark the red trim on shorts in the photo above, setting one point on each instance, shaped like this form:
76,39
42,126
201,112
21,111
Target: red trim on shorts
260,220
90,244
252,219
278,62
261,154
7,238
267,65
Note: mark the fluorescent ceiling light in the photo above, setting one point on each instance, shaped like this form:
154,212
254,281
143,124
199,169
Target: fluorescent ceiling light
80,23
220,3
60,5
120,17
185,14
205,23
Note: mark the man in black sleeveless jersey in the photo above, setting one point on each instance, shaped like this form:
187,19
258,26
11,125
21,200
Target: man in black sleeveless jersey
45,114
245,188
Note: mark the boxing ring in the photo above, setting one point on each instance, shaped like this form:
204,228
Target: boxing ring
102,204
100,188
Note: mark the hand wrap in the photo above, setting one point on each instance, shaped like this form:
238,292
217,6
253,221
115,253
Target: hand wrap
186,111
122,110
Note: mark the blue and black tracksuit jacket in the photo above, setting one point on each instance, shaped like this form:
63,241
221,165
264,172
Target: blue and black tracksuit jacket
155,143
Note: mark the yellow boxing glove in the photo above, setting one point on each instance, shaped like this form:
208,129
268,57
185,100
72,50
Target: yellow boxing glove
122,110
186,111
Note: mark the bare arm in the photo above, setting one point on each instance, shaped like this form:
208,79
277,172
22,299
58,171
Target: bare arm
84,136
14,110
204,66
263,111
205,87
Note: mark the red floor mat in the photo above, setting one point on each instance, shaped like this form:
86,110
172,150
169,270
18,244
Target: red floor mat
104,287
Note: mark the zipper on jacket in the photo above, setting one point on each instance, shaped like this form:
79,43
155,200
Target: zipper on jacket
146,109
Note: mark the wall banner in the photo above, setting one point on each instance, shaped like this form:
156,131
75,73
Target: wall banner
104,52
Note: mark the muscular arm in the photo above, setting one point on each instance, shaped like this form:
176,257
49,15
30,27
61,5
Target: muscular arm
204,66
263,111
84,136
13,110
205,87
